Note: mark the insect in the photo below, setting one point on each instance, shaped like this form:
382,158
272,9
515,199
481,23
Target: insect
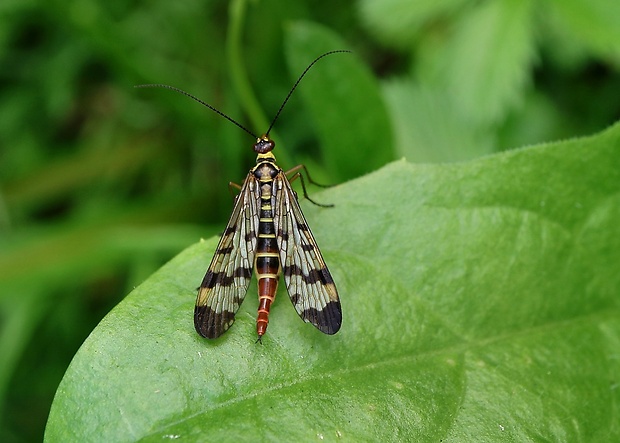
267,232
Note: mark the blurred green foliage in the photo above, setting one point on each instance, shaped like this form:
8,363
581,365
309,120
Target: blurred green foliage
101,183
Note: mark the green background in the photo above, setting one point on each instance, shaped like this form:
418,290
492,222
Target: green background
497,271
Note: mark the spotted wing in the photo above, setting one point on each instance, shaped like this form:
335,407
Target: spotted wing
309,283
226,282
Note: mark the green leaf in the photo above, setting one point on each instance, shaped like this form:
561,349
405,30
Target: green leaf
426,127
480,303
355,136
487,60
595,22
397,22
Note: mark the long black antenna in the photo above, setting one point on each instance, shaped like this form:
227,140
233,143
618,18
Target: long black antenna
297,83
193,97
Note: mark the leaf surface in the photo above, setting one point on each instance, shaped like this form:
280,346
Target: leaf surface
480,303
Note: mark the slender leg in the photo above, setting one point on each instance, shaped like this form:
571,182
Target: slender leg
299,167
297,175
232,185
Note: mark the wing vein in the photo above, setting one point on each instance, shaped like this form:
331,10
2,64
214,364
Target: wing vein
310,285
227,279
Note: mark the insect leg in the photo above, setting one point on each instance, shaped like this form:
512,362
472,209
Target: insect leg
297,175
300,167
232,185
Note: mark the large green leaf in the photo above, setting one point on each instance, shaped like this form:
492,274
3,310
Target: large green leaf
480,303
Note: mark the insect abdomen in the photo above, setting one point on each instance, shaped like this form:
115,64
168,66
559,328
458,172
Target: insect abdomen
267,255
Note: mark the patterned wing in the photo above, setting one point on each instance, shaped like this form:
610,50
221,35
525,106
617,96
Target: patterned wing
226,282
309,283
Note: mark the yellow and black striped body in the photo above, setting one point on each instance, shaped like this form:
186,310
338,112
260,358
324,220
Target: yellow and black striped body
266,232
267,260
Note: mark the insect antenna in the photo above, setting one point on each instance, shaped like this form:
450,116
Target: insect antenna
217,111
193,97
297,83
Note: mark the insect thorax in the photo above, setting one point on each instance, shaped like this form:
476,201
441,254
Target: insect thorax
266,168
